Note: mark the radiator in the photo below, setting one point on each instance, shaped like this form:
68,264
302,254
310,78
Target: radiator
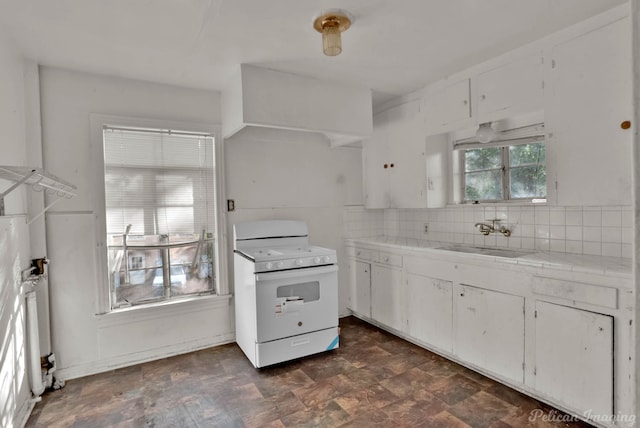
33,355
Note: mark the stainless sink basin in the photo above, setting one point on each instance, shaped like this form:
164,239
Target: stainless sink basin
494,252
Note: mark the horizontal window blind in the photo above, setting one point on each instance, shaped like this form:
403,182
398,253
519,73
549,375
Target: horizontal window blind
510,137
160,182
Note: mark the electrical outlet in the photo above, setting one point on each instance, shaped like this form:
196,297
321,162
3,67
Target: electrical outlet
426,228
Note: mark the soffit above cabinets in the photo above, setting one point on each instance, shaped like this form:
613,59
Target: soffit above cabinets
262,99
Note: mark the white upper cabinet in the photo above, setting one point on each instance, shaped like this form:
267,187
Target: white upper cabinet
375,164
448,108
510,90
395,173
588,152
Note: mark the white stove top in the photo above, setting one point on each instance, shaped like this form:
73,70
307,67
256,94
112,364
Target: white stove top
288,257
262,254
275,245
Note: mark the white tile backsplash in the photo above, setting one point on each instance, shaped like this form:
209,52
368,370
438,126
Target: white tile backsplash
612,234
592,217
592,248
573,233
590,230
627,217
573,216
611,218
557,232
557,217
592,234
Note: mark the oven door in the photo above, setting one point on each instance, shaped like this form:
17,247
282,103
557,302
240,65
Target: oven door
297,301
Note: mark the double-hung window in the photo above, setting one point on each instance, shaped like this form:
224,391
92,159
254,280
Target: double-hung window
160,214
511,168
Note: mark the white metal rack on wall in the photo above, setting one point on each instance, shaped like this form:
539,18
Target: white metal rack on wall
39,180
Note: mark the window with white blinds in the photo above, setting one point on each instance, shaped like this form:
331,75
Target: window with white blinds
160,214
160,182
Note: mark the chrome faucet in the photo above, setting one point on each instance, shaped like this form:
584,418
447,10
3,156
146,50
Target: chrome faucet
486,229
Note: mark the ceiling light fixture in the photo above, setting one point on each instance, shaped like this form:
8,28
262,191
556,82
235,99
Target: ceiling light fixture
485,133
331,24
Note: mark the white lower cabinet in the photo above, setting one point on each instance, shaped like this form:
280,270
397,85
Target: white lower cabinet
387,296
489,330
430,311
360,294
574,357
570,351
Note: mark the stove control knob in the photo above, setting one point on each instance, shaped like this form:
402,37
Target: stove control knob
268,265
279,265
299,262
316,260
326,259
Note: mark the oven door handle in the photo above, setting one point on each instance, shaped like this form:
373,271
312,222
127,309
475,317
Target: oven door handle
296,273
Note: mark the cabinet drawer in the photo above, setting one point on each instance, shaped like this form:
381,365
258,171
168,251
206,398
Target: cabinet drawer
389,259
364,254
575,291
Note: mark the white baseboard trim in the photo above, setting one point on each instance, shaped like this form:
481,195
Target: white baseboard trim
22,415
101,366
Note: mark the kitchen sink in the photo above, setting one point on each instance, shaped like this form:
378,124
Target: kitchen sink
494,252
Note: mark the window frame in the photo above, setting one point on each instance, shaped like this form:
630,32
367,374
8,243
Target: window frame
505,169
97,123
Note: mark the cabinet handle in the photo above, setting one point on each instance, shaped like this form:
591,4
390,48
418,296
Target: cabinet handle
391,165
386,166
483,97
626,124
465,102
461,294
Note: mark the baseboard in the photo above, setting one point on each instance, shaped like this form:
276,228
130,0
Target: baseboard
101,366
22,415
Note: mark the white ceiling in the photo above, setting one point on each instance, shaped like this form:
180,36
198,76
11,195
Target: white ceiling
393,47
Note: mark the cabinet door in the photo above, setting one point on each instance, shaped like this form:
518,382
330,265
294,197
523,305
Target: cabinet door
589,155
512,89
574,357
407,172
394,159
489,330
360,294
375,155
386,296
448,108
437,160
430,310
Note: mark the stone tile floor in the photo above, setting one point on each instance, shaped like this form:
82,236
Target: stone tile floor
373,380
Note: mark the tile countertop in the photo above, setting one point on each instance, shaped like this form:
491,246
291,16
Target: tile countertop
600,265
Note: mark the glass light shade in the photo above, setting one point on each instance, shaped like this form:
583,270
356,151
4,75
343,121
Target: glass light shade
485,133
331,41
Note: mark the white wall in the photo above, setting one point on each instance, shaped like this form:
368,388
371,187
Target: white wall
303,179
14,244
299,180
84,342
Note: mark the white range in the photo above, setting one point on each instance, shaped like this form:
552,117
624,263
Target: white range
286,292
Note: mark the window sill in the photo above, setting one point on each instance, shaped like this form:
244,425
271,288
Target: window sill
493,203
162,309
